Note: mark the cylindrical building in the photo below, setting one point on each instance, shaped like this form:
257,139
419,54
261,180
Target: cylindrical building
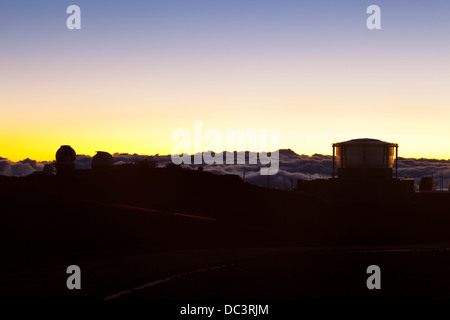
365,159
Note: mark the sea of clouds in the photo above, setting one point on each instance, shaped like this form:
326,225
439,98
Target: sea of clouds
292,166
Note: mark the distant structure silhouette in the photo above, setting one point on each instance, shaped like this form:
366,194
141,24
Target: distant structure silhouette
102,160
426,184
146,163
65,160
173,167
48,169
365,168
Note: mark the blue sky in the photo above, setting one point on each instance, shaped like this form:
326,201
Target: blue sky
308,68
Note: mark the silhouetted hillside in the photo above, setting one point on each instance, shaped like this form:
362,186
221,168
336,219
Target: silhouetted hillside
130,206
292,167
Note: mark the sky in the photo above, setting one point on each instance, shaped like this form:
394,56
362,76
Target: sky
139,70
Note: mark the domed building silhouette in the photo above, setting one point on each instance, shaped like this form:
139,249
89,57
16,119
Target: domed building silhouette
102,160
48,170
65,159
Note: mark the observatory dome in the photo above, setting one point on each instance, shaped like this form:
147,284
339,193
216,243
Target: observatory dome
66,155
48,169
102,160
65,159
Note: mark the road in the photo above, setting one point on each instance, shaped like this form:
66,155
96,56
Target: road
235,274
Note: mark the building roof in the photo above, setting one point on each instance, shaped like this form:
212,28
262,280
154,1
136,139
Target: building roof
365,141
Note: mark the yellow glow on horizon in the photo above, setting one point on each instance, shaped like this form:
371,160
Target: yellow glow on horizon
41,145
134,107
308,124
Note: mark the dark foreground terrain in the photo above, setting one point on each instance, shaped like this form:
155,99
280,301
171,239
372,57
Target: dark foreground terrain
161,234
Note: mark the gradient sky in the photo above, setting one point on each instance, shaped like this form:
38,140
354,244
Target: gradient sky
138,70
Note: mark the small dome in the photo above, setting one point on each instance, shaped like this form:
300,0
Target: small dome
102,160
66,155
48,169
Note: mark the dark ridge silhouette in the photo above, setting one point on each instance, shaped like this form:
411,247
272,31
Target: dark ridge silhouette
293,166
118,211
81,209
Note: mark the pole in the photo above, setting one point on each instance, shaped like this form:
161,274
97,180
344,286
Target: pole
334,157
396,161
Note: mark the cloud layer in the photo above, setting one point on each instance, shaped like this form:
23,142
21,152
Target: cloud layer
292,166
